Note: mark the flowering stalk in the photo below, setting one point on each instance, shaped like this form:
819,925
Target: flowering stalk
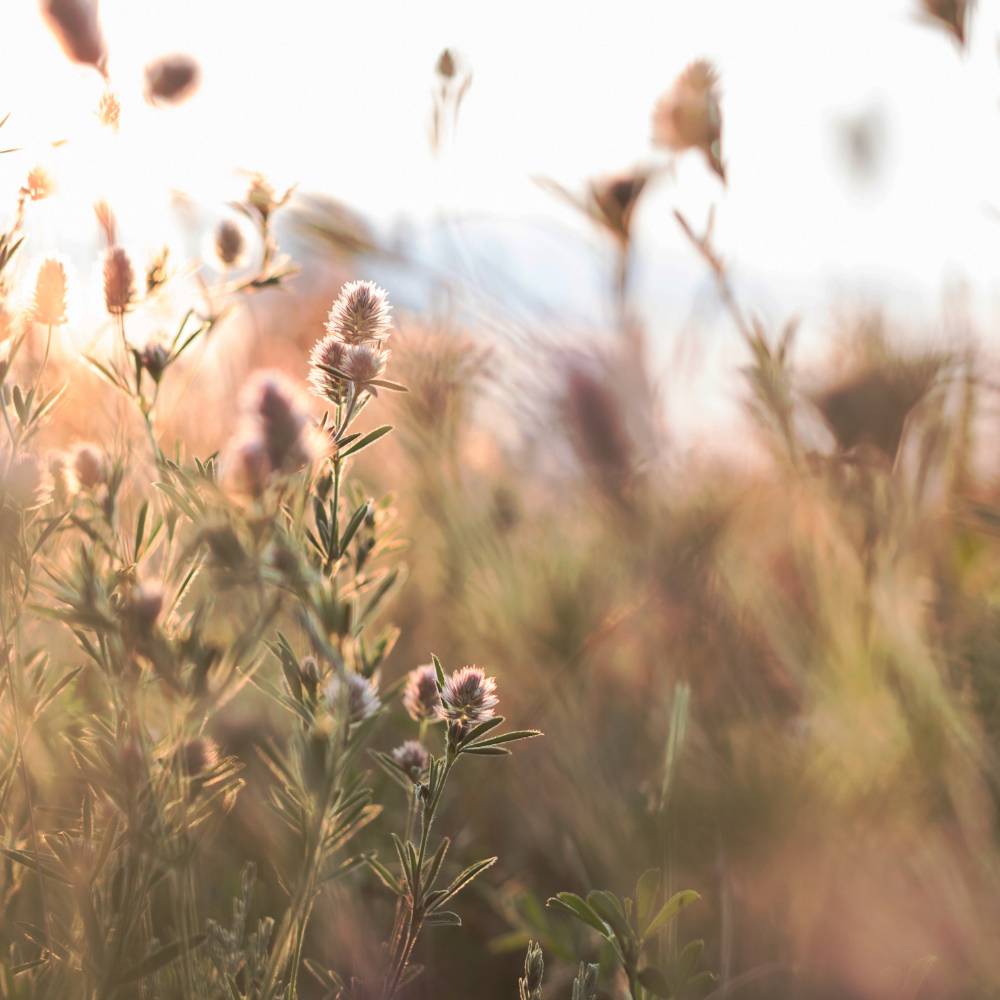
465,703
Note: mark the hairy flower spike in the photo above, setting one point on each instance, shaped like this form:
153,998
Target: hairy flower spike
688,115
50,294
229,242
109,110
468,698
89,466
364,362
39,185
119,281
362,696
271,404
77,29
420,696
361,313
198,756
21,479
413,758
171,78
330,352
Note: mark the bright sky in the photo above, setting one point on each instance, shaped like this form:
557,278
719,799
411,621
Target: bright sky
336,97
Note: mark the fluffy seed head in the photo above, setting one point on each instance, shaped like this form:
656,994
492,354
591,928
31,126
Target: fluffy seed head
198,756
362,696
361,313
154,358
89,466
688,116
228,242
420,696
246,469
364,362
50,294
329,352
22,480
119,281
107,222
109,110
142,607
171,78
64,482
272,407
38,185
77,29
413,758
469,697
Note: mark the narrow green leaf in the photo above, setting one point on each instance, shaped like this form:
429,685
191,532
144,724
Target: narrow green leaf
670,909
581,910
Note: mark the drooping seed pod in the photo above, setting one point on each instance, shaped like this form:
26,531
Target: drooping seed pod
172,78
50,294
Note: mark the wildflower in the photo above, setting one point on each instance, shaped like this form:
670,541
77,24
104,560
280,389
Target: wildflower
154,358
468,698
109,110
363,363
64,482
246,467
198,756
156,273
272,404
446,64
89,466
50,294
412,757
22,480
362,696
361,313
119,281
261,195
107,222
327,353
77,29
420,696
39,185
171,78
688,115
951,14
141,608
228,242
613,201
